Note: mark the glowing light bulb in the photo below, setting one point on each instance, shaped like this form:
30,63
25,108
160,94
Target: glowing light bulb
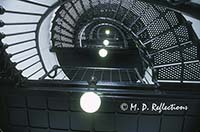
103,52
90,102
106,42
107,32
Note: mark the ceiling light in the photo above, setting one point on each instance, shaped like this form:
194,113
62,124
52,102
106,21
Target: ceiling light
106,42
90,102
103,52
107,32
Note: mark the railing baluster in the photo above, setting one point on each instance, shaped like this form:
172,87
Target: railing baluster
30,66
20,33
120,78
63,27
146,80
110,75
138,75
34,3
23,51
69,24
124,17
22,42
82,6
58,73
24,13
54,69
75,9
163,33
172,47
129,78
102,73
64,78
64,42
141,14
67,11
69,37
118,8
75,74
35,72
84,74
27,58
149,73
22,23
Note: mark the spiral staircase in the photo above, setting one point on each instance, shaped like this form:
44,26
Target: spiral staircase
166,42
49,55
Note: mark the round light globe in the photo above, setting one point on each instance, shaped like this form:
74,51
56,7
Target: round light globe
103,52
107,32
90,102
106,42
